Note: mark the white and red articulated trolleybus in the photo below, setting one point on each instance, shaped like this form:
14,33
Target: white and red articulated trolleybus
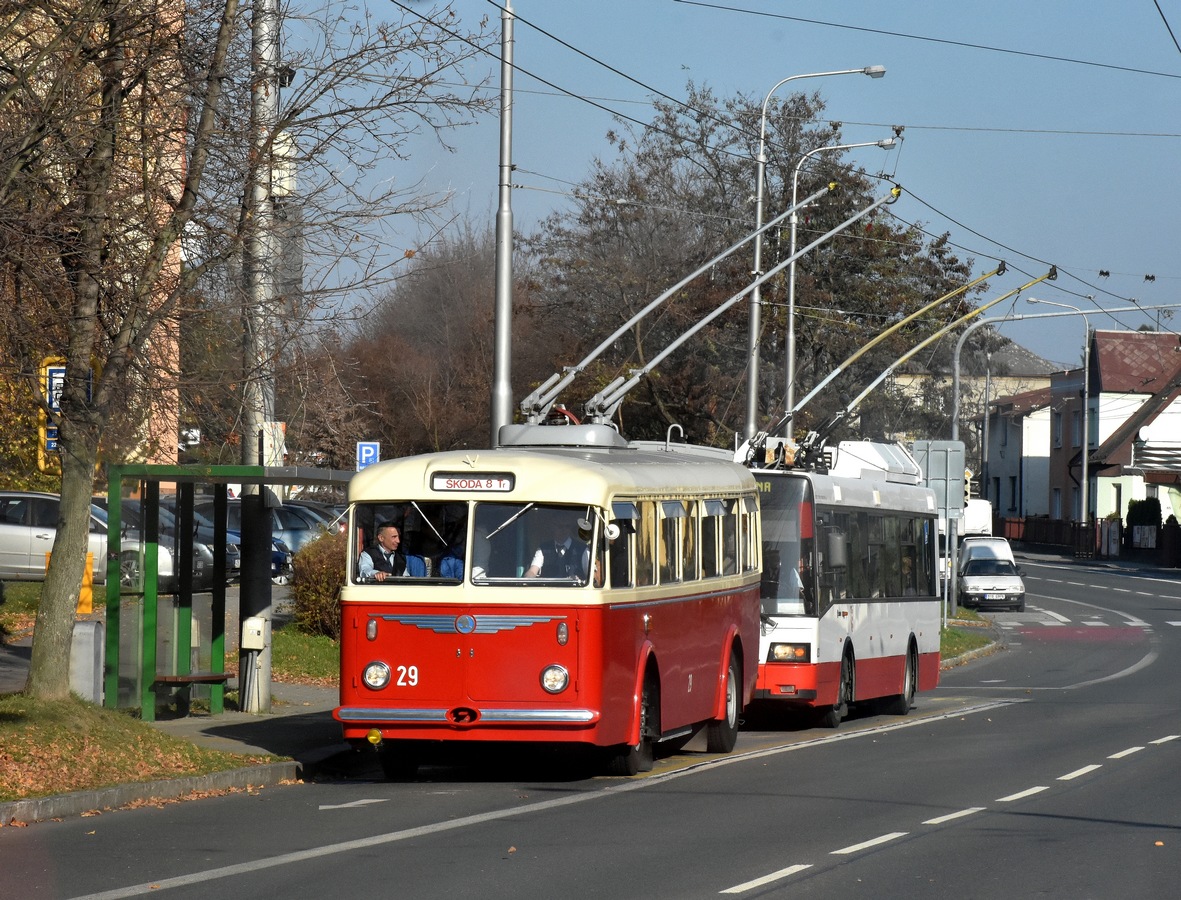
850,604
566,587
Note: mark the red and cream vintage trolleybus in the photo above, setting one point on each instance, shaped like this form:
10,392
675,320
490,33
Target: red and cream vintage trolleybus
567,587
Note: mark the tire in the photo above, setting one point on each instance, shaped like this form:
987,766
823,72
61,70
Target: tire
721,736
130,573
831,717
629,759
900,704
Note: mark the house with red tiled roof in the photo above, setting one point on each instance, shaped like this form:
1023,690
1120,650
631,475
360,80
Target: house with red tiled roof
1133,420
1135,440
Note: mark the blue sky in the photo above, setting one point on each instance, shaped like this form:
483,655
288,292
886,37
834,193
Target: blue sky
1035,132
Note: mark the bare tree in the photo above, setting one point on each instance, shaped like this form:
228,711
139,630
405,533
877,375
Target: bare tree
677,195
120,139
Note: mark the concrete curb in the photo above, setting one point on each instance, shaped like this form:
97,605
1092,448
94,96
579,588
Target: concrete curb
59,806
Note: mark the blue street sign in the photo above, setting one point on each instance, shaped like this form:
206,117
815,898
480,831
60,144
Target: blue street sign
368,452
55,382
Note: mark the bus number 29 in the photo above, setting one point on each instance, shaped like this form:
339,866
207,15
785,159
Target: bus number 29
407,676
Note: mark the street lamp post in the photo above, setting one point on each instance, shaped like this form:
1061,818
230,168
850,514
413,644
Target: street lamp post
790,384
752,379
1084,511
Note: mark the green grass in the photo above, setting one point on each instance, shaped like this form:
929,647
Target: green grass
19,607
54,747
303,657
957,639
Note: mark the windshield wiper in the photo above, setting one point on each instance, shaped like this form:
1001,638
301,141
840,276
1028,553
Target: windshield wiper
509,521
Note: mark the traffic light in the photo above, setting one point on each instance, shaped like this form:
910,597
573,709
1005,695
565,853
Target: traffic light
967,485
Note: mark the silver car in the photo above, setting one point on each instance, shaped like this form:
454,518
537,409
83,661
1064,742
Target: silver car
986,581
28,528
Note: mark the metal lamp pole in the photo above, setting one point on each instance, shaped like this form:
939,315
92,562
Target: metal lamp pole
790,384
1085,516
752,376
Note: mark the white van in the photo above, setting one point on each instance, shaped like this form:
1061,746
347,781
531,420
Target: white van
987,547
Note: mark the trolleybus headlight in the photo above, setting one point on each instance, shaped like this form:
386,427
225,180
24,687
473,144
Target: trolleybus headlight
554,679
376,675
789,653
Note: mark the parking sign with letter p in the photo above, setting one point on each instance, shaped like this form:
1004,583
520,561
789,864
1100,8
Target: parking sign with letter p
368,452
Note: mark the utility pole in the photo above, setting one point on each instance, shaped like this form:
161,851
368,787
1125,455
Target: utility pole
259,385
502,388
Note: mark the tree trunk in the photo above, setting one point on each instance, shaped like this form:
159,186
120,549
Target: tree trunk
49,670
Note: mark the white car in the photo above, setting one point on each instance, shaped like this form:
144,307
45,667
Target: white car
986,581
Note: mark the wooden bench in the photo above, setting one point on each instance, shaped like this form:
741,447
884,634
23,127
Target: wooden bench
187,680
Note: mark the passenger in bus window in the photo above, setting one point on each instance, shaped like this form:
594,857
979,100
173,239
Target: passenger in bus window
563,555
384,560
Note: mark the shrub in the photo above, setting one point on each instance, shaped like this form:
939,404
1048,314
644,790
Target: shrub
315,590
1144,512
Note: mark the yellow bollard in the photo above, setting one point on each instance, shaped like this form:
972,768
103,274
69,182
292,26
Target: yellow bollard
86,595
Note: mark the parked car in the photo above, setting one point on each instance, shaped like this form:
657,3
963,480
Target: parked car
169,534
281,567
332,514
987,581
28,529
293,525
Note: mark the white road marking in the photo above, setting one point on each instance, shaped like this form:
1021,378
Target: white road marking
1173,623
1166,739
873,842
1096,624
1053,615
1021,795
1070,776
354,804
1124,753
766,879
939,820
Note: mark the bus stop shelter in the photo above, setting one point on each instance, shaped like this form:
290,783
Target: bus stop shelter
134,675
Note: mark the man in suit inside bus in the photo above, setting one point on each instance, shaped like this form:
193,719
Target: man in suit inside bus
563,556
385,560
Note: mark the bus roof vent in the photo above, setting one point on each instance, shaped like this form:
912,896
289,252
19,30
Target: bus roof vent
877,460
560,436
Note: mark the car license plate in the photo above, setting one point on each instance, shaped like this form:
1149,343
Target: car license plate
994,596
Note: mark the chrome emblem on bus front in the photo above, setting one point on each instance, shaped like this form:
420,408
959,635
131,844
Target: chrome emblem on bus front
468,624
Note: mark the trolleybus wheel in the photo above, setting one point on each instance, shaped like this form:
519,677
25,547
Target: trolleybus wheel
721,736
631,759
900,704
831,717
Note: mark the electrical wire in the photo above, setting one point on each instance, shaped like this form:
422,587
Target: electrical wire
934,40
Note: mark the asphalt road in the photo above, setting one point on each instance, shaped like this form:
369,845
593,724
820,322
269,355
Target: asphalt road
1045,769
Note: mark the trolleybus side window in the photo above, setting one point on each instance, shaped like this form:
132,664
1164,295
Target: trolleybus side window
672,522
730,540
749,530
627,515
711,537
646,544
689,569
